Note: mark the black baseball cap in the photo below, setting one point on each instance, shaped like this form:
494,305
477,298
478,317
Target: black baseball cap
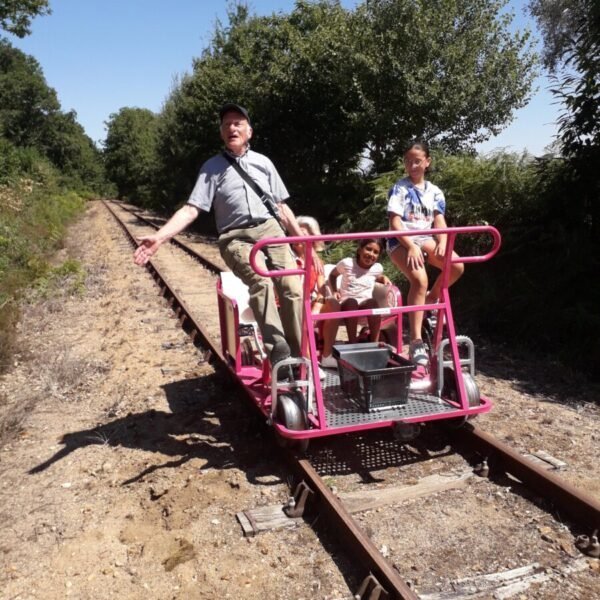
231,106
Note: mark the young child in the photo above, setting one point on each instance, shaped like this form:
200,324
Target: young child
359,275
309,226
418,205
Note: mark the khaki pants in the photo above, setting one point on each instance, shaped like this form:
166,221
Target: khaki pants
235,247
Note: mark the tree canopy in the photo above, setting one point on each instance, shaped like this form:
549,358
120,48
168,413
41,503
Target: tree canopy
16,15
556,19
25,98
130,151
31,117
572,47
449,71
334,94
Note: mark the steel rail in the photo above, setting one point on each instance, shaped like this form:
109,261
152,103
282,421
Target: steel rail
211,266
370,560
358,543
187,321
581,507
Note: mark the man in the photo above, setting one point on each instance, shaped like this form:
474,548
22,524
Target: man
242,219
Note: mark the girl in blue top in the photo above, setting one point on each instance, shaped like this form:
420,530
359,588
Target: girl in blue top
418,205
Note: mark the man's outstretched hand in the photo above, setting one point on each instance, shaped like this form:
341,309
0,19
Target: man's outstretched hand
146,250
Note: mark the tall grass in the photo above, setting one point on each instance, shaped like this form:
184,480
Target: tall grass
33,219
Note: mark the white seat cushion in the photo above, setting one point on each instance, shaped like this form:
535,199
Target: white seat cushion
233,287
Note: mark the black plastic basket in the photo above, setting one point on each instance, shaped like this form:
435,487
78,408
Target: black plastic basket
373,375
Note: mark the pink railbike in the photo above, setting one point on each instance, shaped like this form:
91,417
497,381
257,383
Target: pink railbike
375,385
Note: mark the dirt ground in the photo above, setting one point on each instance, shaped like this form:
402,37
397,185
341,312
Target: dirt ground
126,456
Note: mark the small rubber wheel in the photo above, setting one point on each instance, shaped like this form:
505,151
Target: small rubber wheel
291,413
450,391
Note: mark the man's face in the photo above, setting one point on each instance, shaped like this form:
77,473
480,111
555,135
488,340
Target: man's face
235,131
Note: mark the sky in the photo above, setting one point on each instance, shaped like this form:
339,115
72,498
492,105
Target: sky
102,55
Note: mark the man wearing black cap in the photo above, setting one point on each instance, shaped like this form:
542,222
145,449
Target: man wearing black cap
243,218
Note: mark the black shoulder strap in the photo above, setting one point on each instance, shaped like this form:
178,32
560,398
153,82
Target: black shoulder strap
266,200
244,175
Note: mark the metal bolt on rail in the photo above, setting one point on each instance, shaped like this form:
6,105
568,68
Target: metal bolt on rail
296,505
589,545
482,469
582,542
371,589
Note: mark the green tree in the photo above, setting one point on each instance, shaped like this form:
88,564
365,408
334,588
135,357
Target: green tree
26,100
30,117
446,70
572,42
299,79
66,145
129,151
326,85
580,89
16,15
556,19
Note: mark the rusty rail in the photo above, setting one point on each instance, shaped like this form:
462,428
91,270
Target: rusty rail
370,562
580,507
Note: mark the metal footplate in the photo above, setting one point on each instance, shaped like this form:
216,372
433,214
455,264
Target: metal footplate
342,411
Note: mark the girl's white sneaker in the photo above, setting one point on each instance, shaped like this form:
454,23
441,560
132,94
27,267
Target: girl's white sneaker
328,362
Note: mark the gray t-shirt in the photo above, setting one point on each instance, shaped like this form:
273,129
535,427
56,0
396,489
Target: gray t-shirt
235,203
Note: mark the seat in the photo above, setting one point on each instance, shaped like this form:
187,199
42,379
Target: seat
235,289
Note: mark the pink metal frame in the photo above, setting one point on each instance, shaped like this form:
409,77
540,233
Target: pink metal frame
258,383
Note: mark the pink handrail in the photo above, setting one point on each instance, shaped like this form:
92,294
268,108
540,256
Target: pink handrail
339,237
309,320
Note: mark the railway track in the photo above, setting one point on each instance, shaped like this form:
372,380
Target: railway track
329,486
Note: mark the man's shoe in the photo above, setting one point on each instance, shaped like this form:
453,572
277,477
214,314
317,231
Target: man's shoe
328,362
417,353
285,373
280,352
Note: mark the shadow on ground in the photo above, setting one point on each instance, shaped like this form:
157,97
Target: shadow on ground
372,451
208,420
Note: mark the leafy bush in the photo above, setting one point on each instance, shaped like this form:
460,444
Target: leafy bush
18,163
32,225
540,292
66,279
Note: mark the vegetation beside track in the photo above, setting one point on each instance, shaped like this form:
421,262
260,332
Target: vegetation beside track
33,219
48,167
334,94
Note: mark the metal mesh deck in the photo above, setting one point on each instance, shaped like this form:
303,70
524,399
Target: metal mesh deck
342,411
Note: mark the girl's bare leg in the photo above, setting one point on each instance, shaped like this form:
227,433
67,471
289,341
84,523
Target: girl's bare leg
374,320
351,323
456,271
417,279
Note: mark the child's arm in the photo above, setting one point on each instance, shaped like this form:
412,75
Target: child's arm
439,222
414,256
335,273
383,279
